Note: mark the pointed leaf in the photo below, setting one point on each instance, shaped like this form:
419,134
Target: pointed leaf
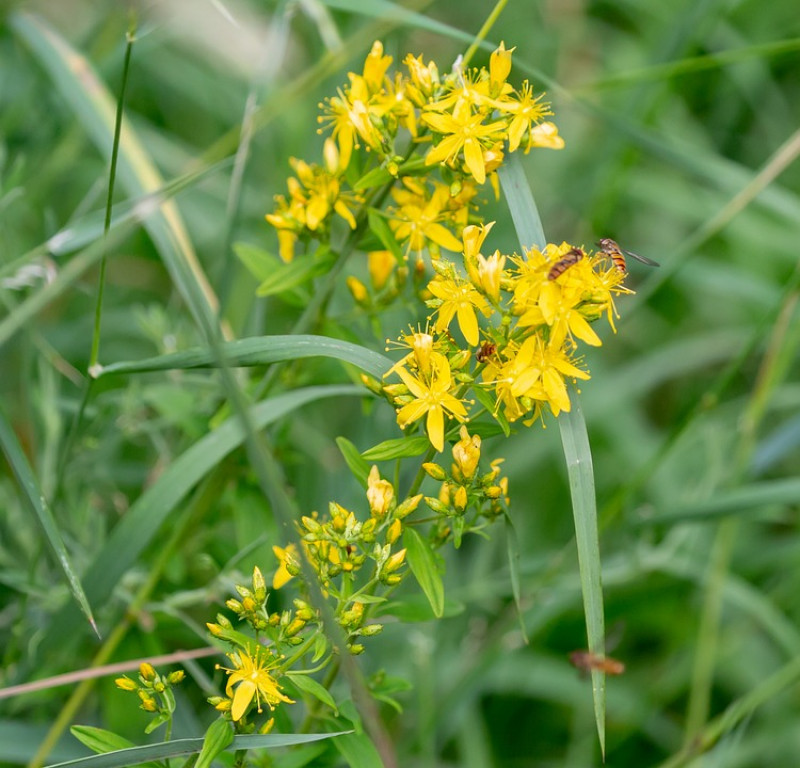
422,562
358,466
37,504
260,350
397,448
218,738
310,686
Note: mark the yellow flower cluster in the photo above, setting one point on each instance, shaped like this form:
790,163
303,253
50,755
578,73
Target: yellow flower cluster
538,308
459,124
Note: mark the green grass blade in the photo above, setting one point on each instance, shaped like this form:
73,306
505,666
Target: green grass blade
261,350
34,497
146,515
179,747
521,204
93,105
578,455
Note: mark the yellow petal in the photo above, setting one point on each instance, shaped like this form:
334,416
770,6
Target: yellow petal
473,158
435,427
242,698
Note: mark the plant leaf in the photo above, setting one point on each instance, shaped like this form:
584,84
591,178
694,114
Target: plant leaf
578,455
260,350
397,448
422,562
123,758
310,686
218,738
34,498
358,466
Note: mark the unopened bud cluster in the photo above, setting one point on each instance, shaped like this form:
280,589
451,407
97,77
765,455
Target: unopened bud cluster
467,499
153,689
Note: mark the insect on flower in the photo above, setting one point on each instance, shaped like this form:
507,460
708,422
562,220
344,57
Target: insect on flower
570,259
486,351
617,254
585,661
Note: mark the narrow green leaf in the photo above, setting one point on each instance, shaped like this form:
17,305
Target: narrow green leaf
98,739
422,562
512,549
144,518
578,456
397,448
260,350
260,263
377,177
485,399
37,504
310,686
359,751
284,277
521,204
417,608
380,227
180,747
218,738
352,456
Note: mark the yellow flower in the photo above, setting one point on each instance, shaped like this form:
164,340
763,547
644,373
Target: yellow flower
459,299
527,111
464,132
250,676
499,67
490,274
417,219
432,397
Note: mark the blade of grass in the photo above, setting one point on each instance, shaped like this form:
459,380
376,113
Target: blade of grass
112,174
577,453
260,350
34,498
123,758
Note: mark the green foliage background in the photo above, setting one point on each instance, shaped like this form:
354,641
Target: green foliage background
681,122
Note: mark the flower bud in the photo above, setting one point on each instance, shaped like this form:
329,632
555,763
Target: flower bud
147,672
234,605
395,561
173,678
460,499
437,506
393,531
293,628
467,453
356,649
434,470
407,507
259,585
126,684
371,629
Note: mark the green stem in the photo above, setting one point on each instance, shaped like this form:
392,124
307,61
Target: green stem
484,30
98,311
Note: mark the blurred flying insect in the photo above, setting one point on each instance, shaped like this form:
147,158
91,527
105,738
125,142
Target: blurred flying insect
586,661
486,351
569,259
617,254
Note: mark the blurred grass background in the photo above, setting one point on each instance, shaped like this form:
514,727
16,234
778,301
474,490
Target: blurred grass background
681,123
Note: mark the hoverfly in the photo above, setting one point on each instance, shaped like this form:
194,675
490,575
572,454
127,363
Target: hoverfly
486,351
585,661
569,259
617,254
